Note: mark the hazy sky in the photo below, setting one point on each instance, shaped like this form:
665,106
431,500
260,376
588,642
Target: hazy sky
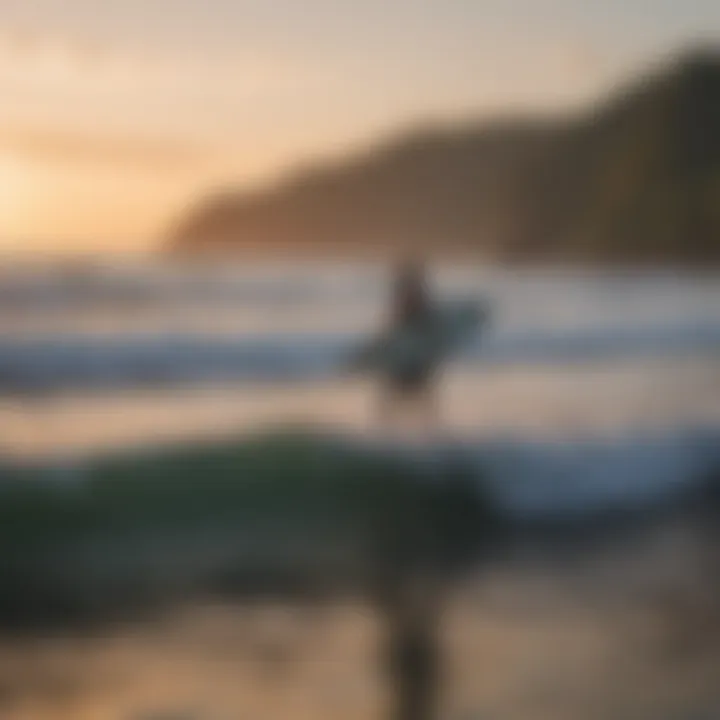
114,115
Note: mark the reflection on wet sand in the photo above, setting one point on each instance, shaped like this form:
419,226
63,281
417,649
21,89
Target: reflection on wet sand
519,645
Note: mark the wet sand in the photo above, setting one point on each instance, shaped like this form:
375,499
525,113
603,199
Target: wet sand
518,644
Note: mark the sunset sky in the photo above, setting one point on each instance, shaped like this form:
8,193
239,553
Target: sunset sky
115,115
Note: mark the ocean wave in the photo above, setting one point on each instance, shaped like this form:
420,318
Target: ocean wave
77,361
528,479
104,534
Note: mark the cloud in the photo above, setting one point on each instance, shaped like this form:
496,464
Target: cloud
245,70
130,151
32,48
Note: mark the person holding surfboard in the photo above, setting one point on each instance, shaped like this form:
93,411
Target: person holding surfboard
411,313
421,335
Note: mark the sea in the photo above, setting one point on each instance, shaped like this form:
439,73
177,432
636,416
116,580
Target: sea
589,390
598,383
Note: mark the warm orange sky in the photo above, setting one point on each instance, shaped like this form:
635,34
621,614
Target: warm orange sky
116,114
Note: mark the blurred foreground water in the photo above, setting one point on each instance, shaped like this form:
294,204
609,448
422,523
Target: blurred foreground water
594,395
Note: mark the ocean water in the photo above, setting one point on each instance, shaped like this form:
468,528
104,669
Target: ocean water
125,327
588,387
591,391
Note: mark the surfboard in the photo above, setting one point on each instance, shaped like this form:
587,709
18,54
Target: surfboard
450,326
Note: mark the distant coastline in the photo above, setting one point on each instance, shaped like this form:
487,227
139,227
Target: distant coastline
634,181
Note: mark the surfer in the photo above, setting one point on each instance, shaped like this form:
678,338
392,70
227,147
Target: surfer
421,335
411,313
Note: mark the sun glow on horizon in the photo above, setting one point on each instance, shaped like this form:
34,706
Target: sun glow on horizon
16,194
116,116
